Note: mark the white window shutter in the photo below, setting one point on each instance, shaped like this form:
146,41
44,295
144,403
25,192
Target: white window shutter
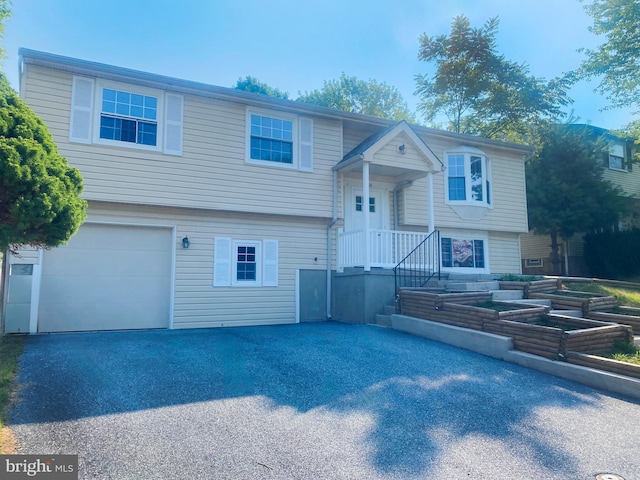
270,263
222,262
81,110
173,124
305,135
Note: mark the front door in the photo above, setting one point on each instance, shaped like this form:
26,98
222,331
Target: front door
356,207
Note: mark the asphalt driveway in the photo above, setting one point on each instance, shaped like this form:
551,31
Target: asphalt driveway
310,401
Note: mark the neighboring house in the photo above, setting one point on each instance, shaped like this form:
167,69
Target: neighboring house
210,206
618,169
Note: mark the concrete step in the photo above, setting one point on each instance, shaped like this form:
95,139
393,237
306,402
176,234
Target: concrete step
473,286
383,320
636,340
389,310
568,313
506,295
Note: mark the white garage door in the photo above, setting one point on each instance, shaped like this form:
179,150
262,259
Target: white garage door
107,278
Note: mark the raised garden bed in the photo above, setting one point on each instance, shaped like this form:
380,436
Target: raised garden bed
583,301
625,315
601,363
534,286
461,310
526,325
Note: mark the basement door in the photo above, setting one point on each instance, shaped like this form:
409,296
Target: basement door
107,277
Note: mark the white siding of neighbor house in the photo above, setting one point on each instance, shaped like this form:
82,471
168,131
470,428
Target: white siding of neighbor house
197,302
26,255
211,173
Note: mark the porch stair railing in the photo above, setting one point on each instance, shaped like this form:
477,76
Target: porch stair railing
420,265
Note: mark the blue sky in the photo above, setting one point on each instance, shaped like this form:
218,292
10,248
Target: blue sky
296,45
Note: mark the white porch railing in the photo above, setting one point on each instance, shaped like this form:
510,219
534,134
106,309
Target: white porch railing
387,247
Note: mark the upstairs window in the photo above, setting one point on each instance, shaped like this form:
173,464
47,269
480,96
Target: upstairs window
468,179
129,117
616,156
279,139
123,115
271,139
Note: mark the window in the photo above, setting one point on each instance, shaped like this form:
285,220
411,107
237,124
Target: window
118,114
533,263
245,263
372,204
279,140
467,180
616,156
462,253
271,139
129,117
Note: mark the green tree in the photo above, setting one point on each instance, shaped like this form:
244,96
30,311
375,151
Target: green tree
479,91
253,85
566,192
5,12
358,96
617,60
40,202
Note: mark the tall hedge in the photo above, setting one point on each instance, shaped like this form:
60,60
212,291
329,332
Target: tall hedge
613,255
40,202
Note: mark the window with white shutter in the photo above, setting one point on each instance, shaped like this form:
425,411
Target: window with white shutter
245,263
123,115
279,139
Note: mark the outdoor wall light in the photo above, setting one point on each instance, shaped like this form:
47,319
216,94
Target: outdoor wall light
402,149
185,242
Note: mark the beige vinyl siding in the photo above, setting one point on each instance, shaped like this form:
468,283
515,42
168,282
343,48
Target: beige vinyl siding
210,174
504,253
508,200
628,181
390,156
196,302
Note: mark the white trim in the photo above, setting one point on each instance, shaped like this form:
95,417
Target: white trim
172,286
234,263
297,293
488,195
36,279
294,137
129,88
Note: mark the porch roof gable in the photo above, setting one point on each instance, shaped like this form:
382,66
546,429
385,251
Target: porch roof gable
377,141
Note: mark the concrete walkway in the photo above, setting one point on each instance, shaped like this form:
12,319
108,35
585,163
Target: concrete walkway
310,401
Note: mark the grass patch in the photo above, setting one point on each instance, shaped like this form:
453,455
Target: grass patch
11,347
625,296
519,278
626,352
497,307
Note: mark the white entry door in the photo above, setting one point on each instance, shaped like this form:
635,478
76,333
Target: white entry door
356,207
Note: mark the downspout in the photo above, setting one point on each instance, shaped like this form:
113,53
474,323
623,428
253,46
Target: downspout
334,219
566,257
